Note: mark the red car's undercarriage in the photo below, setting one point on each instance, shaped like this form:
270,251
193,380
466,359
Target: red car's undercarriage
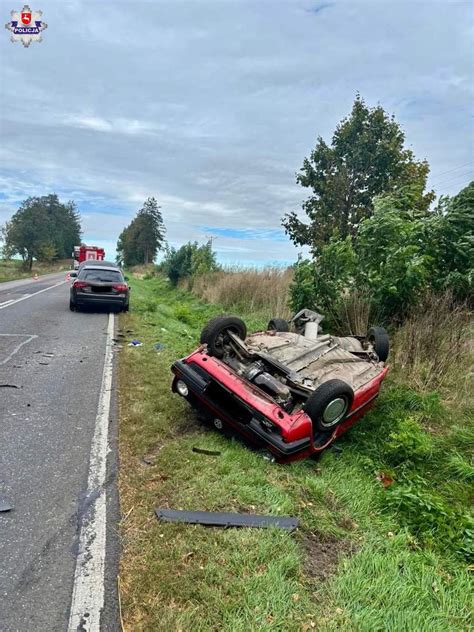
280,389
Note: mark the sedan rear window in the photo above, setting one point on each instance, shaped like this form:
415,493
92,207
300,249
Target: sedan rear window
101,275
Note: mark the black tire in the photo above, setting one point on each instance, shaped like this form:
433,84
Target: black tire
72,306
378,338
278,324
125,308
214,333
335,393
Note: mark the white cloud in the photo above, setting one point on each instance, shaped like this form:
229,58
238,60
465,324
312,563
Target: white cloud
212,106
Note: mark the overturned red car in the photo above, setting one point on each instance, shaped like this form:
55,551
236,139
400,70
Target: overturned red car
293,392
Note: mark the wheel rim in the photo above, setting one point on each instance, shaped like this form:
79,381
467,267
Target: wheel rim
334,412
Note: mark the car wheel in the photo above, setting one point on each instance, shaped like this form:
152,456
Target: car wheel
125,308
72,306
328,406
278,324
378,338
215,335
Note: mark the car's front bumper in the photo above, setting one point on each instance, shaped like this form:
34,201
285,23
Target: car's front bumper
255,424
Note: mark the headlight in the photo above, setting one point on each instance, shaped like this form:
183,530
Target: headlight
182,388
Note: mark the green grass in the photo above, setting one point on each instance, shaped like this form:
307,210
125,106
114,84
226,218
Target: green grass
363,559
11,270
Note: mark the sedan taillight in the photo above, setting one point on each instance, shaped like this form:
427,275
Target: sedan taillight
120,287
79,284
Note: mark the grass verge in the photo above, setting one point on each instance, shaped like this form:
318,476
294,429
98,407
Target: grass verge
11,270
384,534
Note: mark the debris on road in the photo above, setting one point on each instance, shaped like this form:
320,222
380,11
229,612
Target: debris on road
226,519
5,505
9,386
208,452
135,343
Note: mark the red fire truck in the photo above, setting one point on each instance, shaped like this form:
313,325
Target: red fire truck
87,253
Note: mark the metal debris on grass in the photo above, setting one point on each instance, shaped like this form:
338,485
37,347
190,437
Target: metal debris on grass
208,452
226,519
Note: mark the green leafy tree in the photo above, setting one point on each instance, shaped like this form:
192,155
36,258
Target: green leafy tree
366,158
144,237
385,270
43,228
189,260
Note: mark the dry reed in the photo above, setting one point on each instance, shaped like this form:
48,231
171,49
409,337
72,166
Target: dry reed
264,291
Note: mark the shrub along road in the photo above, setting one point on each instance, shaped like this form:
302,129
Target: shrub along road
384,534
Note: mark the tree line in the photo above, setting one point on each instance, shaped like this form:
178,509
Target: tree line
142,240
376,239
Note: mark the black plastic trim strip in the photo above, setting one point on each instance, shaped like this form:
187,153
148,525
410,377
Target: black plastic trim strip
226,519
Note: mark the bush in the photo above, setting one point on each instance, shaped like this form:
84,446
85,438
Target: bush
408,443
392,260
183,313
431,520
189,260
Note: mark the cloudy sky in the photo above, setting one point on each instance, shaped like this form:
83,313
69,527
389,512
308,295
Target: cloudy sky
212,106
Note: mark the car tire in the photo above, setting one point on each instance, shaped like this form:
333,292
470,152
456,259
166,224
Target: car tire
328,406
125,308
72,306
278,324
214,333
378,338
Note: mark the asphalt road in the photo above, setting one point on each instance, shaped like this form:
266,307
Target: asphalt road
56,359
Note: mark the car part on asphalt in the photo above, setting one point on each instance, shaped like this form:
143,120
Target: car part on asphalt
292,392
226,519
6,505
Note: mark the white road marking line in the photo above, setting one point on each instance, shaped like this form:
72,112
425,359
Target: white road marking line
29,338
6,302
88,590
23,298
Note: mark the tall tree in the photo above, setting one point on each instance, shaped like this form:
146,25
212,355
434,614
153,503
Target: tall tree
43,228
141,240
366,158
